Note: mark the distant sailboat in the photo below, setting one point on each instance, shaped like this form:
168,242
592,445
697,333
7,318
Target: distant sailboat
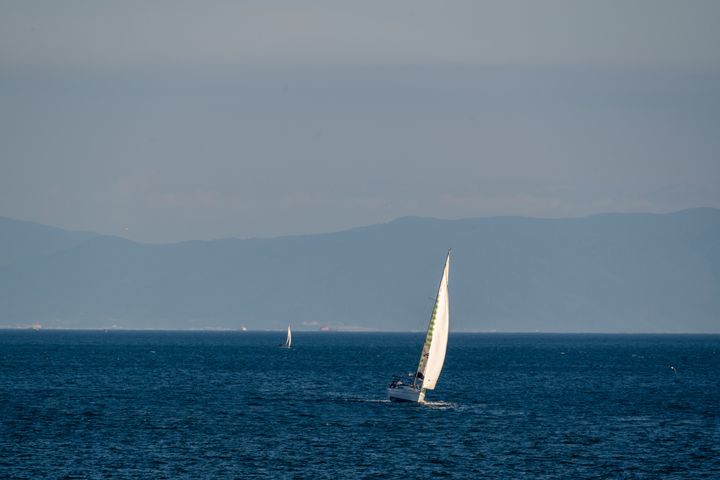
433,352
288,340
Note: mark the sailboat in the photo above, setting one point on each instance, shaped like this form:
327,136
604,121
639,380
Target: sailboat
433,351
288,340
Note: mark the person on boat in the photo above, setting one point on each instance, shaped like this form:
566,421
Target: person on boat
396,382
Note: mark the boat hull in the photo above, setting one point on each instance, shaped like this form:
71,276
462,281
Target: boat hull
406,394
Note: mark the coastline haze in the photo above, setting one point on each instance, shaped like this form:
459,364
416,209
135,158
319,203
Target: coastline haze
604,273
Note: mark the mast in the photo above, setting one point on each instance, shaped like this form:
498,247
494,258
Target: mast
433,352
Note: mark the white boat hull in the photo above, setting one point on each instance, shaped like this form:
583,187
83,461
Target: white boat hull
406,393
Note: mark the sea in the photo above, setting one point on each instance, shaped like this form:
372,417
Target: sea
232,405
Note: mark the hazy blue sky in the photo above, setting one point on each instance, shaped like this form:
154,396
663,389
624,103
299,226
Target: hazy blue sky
164,121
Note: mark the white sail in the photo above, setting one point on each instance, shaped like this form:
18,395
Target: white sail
288,341
433,353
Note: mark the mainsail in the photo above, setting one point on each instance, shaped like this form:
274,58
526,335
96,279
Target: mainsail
433,353
288,341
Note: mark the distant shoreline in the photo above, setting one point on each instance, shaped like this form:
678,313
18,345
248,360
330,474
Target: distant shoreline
6,328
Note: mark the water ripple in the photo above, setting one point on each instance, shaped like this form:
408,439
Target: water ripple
201,405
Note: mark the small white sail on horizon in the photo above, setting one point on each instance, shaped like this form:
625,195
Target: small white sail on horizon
432,357
288,340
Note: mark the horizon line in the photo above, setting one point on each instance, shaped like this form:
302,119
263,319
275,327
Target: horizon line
353,331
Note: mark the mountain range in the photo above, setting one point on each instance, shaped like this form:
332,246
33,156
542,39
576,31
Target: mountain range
602,273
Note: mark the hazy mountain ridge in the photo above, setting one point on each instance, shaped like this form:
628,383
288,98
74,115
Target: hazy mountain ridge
609,272
23,240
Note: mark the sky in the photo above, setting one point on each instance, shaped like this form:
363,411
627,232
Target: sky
166,121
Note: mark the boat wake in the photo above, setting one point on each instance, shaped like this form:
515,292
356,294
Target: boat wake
342,398
435,405
440,405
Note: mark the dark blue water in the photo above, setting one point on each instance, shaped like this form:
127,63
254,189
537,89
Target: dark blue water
233,405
